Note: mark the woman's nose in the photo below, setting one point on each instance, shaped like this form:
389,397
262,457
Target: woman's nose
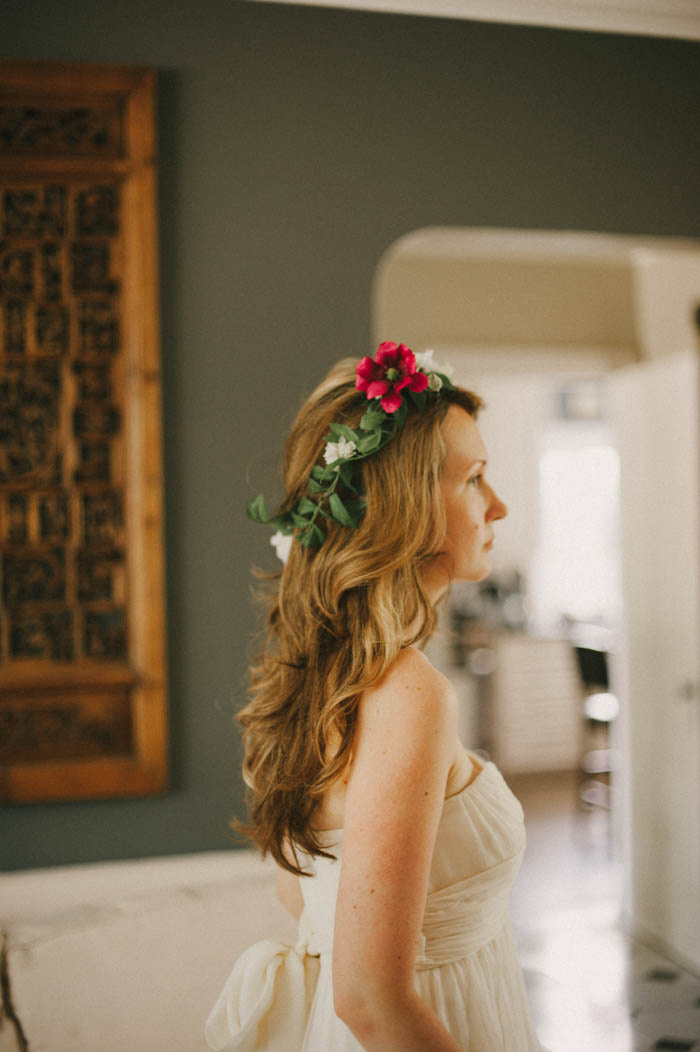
498,509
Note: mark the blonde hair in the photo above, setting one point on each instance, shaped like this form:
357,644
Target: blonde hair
337,616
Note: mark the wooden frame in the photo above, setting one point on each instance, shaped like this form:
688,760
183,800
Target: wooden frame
83,691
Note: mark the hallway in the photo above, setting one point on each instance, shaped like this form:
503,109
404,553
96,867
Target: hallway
591,988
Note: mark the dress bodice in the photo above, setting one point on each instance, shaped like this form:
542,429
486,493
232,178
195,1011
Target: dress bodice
478,849
279,998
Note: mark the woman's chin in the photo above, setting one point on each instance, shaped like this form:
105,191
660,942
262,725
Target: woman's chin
475,573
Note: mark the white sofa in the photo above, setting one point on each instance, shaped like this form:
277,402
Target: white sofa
128,955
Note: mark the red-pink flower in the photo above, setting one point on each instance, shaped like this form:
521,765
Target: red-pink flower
393,368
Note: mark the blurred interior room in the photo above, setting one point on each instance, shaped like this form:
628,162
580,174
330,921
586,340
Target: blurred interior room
512,187
572,343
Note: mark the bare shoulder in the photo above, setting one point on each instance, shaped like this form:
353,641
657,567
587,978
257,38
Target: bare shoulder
413,698
412,674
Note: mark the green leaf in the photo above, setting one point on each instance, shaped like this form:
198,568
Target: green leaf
299,520
356,508
317,472
400,415
283,522
346,472
306,506
315,486
257,510
339,511
370,442
372,419
343,431
313,537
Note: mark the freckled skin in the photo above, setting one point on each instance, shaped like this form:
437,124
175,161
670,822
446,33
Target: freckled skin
471,506
368,947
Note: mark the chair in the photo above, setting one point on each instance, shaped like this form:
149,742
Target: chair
600,708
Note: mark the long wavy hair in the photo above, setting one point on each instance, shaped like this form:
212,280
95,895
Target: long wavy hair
337,617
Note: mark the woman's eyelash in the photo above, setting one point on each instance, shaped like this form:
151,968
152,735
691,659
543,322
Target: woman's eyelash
475,477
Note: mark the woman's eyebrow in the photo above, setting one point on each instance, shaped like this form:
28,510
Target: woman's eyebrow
473,465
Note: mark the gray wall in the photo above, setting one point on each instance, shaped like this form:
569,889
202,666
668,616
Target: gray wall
295,145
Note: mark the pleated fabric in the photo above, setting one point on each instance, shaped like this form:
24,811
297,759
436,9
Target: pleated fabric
279,998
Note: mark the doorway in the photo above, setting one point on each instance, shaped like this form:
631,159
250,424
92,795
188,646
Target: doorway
550,326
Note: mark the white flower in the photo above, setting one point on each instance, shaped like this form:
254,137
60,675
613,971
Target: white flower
338,450
282,543
424,361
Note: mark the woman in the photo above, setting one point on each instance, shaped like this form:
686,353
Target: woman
396,847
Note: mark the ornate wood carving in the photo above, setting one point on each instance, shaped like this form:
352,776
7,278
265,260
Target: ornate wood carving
82,618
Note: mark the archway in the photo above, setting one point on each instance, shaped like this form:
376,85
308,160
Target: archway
617,312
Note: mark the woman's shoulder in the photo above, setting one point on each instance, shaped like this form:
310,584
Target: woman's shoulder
413,667
411,710
412,675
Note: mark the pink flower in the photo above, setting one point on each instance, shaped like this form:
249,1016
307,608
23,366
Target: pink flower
393,368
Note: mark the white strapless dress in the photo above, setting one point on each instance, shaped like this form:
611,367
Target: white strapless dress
279,998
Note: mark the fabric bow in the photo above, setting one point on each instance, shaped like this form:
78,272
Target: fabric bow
266,999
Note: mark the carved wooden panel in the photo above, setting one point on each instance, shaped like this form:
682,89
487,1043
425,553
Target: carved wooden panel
83,688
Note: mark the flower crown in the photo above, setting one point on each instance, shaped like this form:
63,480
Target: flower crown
393,370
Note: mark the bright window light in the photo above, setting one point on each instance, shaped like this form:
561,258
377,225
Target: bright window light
576,567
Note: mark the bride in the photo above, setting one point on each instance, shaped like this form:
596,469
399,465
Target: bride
396,846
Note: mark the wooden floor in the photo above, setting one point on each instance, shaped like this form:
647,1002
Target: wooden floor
591,988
